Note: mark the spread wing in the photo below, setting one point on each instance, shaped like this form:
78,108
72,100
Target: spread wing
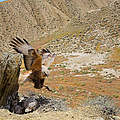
23,47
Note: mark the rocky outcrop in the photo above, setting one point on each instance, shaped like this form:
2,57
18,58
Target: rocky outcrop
9,73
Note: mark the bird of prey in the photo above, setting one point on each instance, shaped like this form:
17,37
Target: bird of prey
36,61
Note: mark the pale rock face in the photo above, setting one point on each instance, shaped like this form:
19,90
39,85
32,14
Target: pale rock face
31,106
9,74
99,118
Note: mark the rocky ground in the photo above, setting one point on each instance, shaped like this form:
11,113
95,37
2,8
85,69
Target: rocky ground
100,108
79,114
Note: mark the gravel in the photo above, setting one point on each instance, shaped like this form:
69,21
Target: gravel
27,104
105,105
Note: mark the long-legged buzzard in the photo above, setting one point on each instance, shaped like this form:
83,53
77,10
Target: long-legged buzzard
35,60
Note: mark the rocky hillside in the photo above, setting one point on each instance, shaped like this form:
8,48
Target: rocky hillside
34,19
98,30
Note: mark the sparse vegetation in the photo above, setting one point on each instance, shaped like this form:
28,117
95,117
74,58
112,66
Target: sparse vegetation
105,105
83,84
115,96
70,88
49,68
62,72
84,72
61,87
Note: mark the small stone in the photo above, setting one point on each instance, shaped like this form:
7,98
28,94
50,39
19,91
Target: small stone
99,118
18,109
116,117
32,105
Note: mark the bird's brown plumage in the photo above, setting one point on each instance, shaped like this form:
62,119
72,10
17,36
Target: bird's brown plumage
34,60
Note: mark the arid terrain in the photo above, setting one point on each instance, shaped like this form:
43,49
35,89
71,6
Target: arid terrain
85,36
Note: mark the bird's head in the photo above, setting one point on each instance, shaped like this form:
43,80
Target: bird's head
47,57
47,60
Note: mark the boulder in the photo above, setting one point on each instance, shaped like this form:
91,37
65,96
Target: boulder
9,74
